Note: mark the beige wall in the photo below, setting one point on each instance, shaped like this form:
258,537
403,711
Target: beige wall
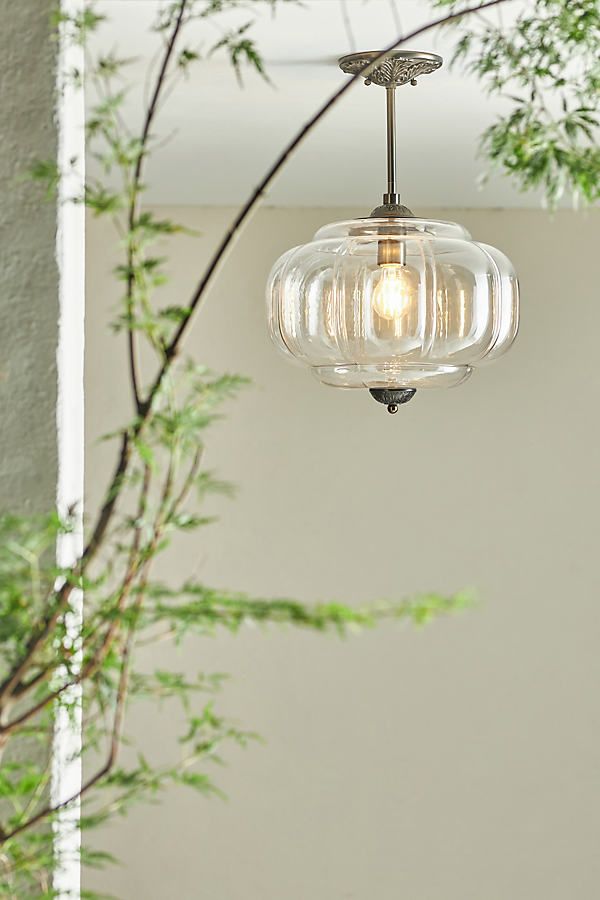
28,278
456,763
28,274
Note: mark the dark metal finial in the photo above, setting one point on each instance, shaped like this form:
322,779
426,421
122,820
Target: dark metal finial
392,398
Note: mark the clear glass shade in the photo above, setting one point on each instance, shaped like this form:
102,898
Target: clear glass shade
393,302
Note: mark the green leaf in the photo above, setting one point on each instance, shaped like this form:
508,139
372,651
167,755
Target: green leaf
102,201
241,49
47,173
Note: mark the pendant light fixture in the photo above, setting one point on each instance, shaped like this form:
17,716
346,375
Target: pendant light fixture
392,302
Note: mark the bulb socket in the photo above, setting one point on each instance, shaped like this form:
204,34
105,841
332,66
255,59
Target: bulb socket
391,253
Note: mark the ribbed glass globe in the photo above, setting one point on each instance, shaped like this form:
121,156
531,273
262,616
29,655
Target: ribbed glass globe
393,303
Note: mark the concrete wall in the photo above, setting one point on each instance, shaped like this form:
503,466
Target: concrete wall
28,272
29,281
456,763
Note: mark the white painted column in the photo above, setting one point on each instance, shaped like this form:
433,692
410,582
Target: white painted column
66,769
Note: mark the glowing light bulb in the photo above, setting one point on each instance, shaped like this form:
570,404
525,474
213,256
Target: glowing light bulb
394,291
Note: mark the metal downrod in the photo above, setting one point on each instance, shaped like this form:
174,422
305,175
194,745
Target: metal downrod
392,195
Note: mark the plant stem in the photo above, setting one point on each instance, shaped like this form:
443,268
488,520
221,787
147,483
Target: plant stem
135,190
110,760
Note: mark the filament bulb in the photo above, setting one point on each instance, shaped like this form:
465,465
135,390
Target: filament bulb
394,291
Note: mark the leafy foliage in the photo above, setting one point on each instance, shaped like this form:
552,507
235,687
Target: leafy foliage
241,48
546,65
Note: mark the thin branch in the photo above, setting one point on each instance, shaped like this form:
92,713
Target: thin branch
130,575
187,484
348,25
135,566
98,657
110,760
112,495
7,688
12,680
139,559
20,689
135,189
395,15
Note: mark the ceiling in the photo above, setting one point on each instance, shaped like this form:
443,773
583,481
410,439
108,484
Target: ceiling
216,138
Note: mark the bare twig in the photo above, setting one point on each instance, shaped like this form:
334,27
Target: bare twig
348,26
395,15
135,189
